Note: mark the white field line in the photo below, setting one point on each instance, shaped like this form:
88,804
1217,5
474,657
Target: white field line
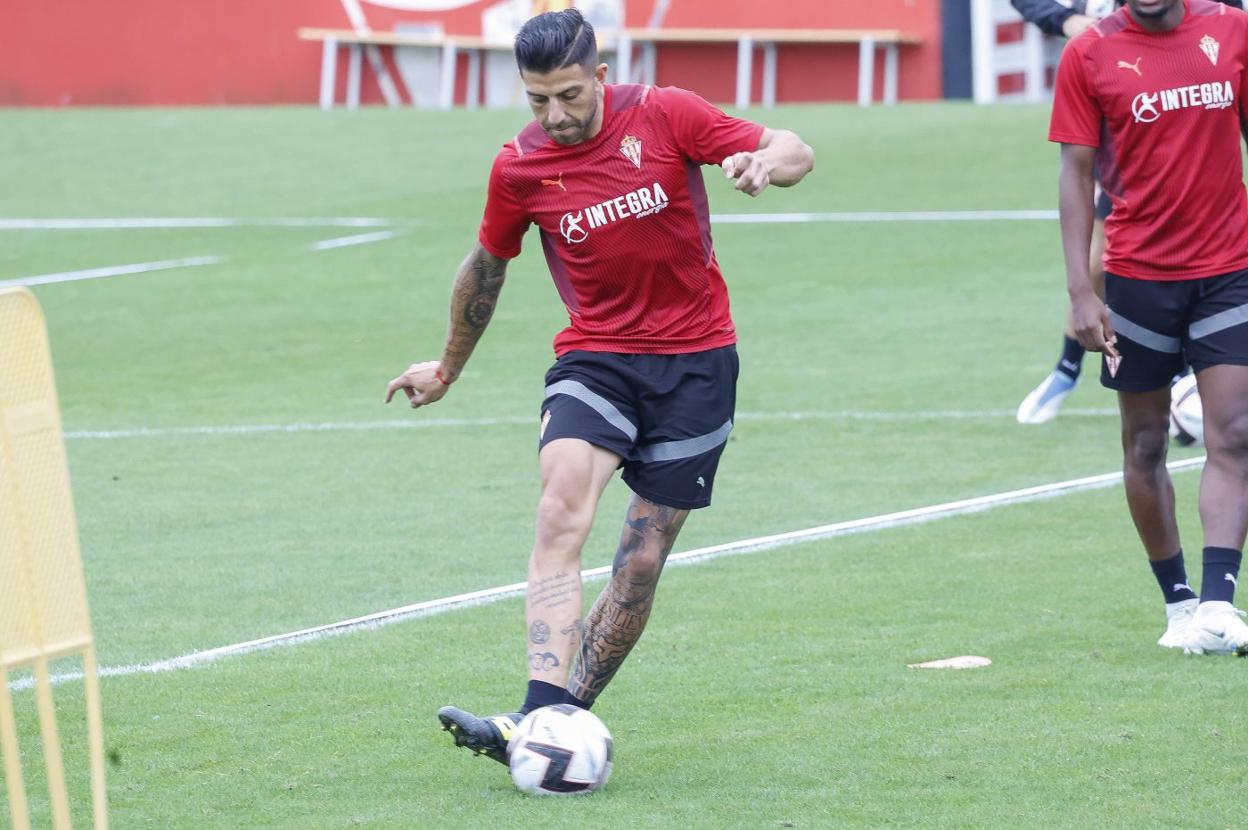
113,271
888,216
191,222
489,595
519,420
22,224
262,429
358,239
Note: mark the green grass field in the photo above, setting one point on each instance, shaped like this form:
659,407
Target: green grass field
771,689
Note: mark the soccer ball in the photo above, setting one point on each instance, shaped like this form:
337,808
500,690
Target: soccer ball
1187,420
560,750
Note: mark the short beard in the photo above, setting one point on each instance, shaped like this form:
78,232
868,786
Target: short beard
581,134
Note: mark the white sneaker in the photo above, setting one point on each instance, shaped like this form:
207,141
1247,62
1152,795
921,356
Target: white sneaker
1043,402
1216,628
1178,618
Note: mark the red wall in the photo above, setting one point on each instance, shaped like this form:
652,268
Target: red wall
139,52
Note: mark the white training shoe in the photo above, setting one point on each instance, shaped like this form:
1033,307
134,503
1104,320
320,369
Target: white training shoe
1216,628
1178,619
1043,402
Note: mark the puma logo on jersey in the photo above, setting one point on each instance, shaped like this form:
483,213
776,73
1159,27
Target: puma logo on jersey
1215,96
555,183
1134,67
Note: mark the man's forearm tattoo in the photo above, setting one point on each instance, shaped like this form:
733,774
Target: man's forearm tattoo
480,294
619,616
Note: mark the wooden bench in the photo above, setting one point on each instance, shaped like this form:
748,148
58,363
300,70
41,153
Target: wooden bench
450,46
622,44
747,39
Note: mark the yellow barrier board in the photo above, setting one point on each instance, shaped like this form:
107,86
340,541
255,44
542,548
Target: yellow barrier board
43,597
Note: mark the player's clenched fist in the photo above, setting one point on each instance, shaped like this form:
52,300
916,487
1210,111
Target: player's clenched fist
421,383
749,170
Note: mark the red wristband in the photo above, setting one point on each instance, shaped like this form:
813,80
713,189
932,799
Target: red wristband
438,374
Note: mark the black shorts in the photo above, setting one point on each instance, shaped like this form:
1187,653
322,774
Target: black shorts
1162,325
668,417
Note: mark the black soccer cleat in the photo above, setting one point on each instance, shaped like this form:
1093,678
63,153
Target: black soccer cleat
486,736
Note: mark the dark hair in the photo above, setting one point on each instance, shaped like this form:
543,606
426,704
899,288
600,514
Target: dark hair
554,40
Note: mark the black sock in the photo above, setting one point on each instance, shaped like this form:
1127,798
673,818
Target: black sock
1071,363
1221,572
1172,577
568,697
541,694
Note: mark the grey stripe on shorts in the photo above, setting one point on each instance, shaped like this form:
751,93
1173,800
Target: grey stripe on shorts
685,448
596,402
1145,337
1215,323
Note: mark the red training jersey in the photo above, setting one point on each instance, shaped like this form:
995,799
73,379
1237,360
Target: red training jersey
624,221
1164,110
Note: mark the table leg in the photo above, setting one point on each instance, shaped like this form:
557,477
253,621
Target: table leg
769,74
745,71
355,60
329,72
450,62
866,71
890,73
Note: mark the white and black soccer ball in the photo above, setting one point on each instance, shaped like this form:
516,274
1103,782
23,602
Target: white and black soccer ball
1187,416
560,750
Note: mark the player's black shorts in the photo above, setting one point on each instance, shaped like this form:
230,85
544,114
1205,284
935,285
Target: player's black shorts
1160,325
667,416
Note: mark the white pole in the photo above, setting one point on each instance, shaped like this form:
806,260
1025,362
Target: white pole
624,60
1033,57
329,71
769,74
745,71
866,71
983,39
450,61
355,60
890,73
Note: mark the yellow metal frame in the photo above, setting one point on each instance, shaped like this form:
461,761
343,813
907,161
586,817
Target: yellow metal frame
43,597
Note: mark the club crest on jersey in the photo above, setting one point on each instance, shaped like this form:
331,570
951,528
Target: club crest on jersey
1210,47
644,201
1215,96
630,146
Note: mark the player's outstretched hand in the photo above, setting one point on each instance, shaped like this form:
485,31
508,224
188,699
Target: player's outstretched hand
420,383
749,170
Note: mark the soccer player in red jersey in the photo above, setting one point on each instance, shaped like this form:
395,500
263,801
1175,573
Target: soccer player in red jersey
1068,18
1154,94
645,374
